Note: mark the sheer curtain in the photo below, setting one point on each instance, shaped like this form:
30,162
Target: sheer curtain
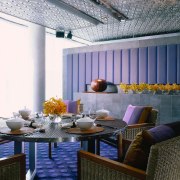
16,69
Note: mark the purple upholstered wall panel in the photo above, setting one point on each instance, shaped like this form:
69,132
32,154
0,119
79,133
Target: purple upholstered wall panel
143,65
152,65
75,73
82,72
88,68
110,66
171,63
125,66
102,65
162,64
178,63
95,65
134,66
69,76
117,67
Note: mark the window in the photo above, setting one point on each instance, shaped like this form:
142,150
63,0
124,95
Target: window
15,71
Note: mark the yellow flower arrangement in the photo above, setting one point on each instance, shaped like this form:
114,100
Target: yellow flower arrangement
150,87
125,87
54,106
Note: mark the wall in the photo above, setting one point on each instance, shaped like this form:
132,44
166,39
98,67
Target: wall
152,60
167,105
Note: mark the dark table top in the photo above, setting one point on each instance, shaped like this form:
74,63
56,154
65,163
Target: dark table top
54,133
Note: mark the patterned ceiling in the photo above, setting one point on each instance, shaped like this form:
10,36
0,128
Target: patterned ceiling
145,17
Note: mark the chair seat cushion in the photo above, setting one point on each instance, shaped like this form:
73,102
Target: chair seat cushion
138,152
132,114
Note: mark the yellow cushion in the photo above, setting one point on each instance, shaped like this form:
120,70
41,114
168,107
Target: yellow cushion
138,153
145,114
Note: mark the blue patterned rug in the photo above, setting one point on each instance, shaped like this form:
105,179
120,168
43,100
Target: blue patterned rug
63,165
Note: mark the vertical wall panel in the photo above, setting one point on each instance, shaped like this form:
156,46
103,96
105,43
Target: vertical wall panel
125,66
152,65
143,65
82,72
156,64
171,64
162,64
117,67
69,76
178,64
88,68
95,65
110,66
75,73
134,66
102,65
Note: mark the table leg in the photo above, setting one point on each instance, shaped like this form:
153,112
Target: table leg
88,145
32,161
18,147
50,150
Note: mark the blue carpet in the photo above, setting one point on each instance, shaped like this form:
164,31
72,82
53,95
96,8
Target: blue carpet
63,165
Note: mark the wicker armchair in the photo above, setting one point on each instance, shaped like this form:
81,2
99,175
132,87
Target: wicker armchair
133,129
163,164
13,167
129,133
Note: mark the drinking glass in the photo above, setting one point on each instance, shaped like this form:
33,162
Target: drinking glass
92,112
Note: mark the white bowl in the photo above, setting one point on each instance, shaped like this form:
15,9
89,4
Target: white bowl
85,123
102,113
15,123
25,113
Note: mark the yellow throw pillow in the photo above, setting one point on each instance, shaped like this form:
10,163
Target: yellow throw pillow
145,114
137,153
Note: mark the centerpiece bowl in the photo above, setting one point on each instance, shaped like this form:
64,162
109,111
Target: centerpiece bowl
25,113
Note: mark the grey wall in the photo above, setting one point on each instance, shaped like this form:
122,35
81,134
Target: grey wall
167,105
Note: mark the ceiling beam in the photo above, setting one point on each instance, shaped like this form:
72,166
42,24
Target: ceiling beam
108,8
75,11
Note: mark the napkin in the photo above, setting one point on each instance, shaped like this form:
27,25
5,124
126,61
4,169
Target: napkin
66,125
67,115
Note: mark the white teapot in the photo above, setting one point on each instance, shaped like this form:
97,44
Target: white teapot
25,113
85,123
102,113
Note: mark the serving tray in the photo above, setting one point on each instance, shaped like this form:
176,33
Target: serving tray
92,130
23,130
108,118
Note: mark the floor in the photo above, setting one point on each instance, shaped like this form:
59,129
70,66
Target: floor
63,165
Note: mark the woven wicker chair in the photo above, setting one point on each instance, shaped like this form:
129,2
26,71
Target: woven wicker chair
130,133
13,167
163,164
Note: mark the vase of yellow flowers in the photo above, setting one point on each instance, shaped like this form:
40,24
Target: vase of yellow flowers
54,108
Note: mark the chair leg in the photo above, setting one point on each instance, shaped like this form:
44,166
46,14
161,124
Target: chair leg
50,154
119,147
98,146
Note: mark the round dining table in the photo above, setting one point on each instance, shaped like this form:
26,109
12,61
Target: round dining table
55,133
